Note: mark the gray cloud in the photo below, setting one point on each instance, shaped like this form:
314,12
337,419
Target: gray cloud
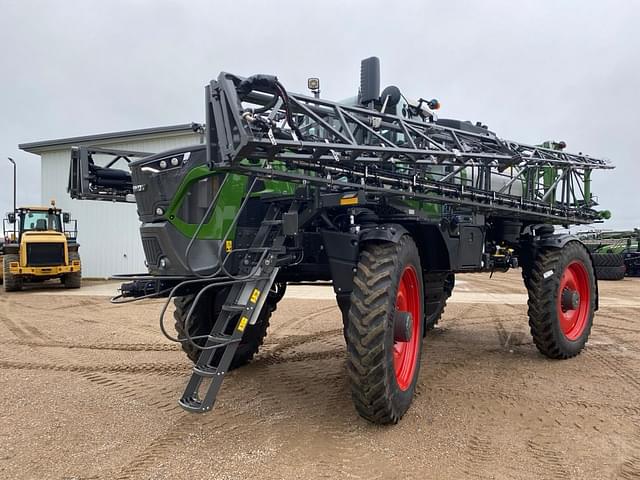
530,70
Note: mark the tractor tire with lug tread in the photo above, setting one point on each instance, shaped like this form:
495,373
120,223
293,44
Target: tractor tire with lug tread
562,289
437,290
204,317
610,273
607,260
74,279
383,371
11,282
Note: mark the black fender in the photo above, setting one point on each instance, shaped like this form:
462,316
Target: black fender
387,232
557,240
343,251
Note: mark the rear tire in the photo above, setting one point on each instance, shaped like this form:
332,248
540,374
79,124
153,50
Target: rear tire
561,322
437,289
610,273
383,372
607,260
205,315
72,280
11,282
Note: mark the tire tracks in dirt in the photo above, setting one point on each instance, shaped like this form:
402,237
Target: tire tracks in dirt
629,467
158,448
25,332
274,351
253,400
459,317
125,347
302,319
167,369
544,450
616,366
481,449
152,395
514,399
620,339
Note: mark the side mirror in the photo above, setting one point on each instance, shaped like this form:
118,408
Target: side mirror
11,217
66,217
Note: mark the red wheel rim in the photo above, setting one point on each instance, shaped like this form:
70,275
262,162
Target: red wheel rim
574,320
405,354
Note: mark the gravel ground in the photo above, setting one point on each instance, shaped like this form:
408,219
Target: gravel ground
88,390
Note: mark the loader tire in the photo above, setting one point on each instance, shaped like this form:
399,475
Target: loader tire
11,282
562,295
607,260
205,315
610,273
72,280
383,370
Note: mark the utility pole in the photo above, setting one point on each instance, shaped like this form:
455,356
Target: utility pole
14,183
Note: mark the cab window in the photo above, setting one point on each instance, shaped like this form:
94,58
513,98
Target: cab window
40,221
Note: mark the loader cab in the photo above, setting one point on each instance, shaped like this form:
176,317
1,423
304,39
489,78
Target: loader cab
40,221
35,220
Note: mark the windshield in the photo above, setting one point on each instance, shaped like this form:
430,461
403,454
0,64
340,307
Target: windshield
41,221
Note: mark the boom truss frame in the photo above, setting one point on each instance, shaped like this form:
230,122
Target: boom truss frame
277,134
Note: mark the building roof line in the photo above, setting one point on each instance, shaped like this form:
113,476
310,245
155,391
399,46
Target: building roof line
45,144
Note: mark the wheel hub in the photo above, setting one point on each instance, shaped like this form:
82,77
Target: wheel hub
570,299
402,326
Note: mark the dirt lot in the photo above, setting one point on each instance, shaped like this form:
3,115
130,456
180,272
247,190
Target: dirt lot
88,390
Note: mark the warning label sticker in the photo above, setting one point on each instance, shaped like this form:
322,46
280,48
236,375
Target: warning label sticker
242,324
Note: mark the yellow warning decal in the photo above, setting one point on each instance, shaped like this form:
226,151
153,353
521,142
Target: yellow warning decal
255,295
349,200
242,324
228,245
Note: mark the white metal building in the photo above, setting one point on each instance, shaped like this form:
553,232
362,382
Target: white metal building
107,232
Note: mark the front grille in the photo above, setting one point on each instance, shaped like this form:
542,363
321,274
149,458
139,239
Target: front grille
152,250
45,254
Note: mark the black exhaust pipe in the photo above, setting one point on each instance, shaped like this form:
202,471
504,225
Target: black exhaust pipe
369,80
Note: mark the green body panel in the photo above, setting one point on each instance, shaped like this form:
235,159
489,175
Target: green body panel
231,196
227,206
430,209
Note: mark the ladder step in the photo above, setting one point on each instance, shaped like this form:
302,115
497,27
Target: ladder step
221,340
272,222
233,308
206,371
192,405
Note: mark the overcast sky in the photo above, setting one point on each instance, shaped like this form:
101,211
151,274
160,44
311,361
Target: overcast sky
531,70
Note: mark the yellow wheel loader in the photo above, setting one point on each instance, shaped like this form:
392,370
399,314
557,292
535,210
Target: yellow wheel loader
39,244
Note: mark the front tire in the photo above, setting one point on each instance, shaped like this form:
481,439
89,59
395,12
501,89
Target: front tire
74,279
562,296
383,370
204,317
11,282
